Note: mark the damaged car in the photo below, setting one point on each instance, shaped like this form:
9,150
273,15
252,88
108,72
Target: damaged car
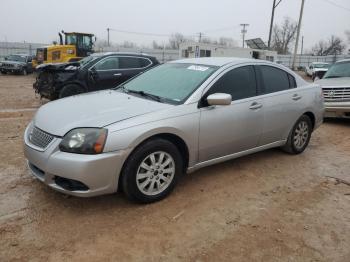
95,72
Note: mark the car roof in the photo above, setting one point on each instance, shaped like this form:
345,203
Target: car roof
218,61
343,60
121,53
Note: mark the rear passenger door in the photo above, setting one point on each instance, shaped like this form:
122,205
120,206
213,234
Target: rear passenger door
230,129
281,103
131,66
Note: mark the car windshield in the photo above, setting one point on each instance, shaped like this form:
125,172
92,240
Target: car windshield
17,58
341,69
172,82
321,65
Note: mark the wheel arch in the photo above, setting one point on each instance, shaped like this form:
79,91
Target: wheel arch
312,118
179,142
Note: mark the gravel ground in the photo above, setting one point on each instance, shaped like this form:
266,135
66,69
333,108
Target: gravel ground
268,206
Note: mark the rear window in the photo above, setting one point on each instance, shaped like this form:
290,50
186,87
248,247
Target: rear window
274,79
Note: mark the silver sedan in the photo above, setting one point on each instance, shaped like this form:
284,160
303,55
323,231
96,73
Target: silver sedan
176,118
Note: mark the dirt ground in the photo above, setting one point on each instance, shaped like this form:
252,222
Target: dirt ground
269,206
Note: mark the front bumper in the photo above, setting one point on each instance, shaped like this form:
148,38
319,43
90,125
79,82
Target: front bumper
99,173
337,109
11,70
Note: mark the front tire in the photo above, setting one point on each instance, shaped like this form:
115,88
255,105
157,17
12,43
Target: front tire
152,171
299,137
24,72
70,90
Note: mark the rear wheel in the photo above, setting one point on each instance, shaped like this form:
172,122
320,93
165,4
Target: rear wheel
70,90
152,170
299,136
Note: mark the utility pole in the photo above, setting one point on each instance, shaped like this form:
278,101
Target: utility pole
302,45
108,36
298,33
244,31
200,36
274,5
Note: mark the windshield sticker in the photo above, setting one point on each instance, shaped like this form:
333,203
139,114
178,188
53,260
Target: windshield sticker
198,68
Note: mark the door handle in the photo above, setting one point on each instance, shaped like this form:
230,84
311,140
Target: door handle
255,105
296,97
118,74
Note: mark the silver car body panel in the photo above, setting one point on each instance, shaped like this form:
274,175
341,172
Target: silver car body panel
212,134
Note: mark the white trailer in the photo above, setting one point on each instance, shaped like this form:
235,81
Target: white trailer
195,49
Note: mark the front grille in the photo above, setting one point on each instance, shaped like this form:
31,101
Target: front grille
336,94
40,138
8,65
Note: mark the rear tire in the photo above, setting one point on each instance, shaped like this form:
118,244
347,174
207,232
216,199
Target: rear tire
70,90
152,171
299,136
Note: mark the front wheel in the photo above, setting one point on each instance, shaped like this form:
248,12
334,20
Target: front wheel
299,137
24,72
152,170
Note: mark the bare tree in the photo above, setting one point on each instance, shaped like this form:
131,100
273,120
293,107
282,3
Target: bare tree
333,46
348,35
284,35
128,44
175,40
155,45
227,41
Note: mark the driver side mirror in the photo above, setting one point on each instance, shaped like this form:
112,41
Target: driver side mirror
219,99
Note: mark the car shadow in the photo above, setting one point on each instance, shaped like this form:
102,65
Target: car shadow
337,121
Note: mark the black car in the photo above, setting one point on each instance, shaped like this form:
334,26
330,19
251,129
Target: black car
95,72
19,63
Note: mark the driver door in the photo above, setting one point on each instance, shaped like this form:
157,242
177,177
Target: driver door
233,128
105,74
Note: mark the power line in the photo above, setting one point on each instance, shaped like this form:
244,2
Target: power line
337,5
138,33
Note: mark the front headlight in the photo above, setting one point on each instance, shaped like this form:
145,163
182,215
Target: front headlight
84,141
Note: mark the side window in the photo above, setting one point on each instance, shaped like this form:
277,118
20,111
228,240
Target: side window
292,82
239,83
109,63
144,62
130,62
274,79
29,59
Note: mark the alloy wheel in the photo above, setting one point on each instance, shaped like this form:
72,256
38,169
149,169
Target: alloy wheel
155,173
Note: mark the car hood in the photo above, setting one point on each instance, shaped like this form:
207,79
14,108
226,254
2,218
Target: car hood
58,67
340,81
320,69
96,109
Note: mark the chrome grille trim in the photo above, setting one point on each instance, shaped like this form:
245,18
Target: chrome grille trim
40,138
336,94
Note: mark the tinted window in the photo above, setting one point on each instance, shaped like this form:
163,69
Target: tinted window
274,79
144,62
292,83
108,64
239,83
130,62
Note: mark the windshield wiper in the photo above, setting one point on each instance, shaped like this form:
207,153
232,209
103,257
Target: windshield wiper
142,93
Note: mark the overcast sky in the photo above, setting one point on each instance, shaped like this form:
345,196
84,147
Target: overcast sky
40,20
